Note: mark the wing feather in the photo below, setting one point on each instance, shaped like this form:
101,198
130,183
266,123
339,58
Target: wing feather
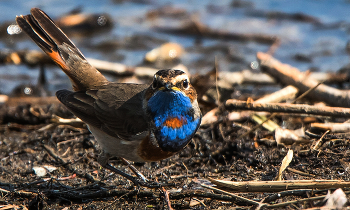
115,108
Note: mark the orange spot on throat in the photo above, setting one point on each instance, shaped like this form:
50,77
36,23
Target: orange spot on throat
175,122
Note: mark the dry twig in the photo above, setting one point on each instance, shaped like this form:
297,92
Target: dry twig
289,75
288,108
275,186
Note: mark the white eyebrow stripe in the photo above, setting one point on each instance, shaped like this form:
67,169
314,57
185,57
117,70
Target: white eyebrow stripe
180,78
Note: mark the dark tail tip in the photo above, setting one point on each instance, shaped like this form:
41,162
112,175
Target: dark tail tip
62,95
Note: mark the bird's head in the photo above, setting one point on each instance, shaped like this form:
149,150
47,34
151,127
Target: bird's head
171,104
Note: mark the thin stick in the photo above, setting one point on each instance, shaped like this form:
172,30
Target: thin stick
67,165
251,202
288,108
133,169
299,172
276,186
166,197
279,205
289,75
274,114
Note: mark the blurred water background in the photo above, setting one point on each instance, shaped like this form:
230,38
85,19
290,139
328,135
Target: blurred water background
320,44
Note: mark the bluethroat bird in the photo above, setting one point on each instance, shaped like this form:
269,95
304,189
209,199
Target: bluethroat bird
137,122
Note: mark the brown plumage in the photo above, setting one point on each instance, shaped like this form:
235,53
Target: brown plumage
117,114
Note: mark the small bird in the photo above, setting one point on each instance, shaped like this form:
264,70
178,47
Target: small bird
137,122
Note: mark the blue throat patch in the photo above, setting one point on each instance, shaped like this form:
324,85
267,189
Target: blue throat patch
173,117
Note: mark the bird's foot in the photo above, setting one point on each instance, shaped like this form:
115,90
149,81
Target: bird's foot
140,181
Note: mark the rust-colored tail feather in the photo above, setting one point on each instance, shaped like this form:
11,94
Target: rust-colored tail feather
51,39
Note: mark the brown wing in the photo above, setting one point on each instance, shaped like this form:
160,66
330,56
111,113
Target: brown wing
115,108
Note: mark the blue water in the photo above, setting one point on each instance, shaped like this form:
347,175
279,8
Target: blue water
325,46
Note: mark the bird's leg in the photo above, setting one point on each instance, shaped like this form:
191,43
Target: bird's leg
131,178
142,181
136,172
121,173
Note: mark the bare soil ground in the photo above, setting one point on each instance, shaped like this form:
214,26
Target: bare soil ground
28,138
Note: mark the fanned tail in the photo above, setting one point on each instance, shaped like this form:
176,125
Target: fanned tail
51,39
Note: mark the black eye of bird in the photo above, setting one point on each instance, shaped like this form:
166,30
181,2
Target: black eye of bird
185,83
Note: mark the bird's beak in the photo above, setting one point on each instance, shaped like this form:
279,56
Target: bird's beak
168,86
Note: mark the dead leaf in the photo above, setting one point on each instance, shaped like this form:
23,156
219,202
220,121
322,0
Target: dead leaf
285,162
